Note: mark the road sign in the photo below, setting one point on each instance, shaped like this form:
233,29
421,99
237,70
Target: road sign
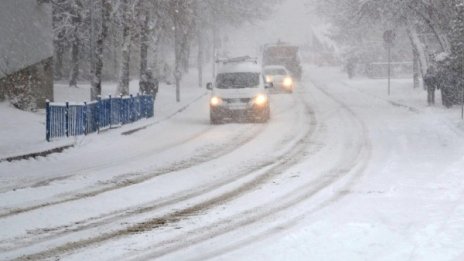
389,37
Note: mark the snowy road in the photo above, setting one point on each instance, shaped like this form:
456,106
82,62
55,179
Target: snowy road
338,173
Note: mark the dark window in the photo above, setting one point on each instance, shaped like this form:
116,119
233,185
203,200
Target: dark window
275,71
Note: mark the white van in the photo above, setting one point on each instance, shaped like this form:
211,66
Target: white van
239,91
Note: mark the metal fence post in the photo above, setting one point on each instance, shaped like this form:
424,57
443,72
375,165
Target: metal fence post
97,113
66,113
142,106
110,111
145,105
152,107
84,115
121,110
47,120
137,107
130,109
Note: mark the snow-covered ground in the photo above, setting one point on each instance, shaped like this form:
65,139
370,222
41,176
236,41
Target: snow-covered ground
25,132
341,172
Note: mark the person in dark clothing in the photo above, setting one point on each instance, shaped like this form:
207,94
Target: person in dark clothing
446,81
431,84
350,67
148,85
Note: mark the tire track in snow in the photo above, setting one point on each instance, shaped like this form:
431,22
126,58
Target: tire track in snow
50,233
180,214
128,179
125,133
355,172
218,152
115,184
354,167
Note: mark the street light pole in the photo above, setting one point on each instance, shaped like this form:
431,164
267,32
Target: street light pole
389,37
389,68
462,89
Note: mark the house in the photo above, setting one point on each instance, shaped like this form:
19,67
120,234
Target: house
26,51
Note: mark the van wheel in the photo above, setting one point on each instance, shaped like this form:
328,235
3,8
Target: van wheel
214,120
265,116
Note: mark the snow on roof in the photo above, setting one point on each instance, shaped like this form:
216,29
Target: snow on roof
280,44
26,35
271,67
240,67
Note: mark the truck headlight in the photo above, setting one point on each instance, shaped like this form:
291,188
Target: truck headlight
215,101
288,82
268,78
260,99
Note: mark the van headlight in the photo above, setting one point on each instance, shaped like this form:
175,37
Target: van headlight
288,82
215,101
260,100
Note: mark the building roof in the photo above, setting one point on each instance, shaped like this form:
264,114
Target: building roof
26,35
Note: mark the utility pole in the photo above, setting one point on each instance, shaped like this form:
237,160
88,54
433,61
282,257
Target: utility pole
462,90
389,68
416,70
214,51
389,37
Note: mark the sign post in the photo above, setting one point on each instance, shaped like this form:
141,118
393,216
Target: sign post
388,38
462,90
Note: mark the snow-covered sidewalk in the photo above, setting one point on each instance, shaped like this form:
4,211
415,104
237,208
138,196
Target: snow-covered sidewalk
23,133
402,93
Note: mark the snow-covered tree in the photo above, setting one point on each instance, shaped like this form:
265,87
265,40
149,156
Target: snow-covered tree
431,26
127,35
453,63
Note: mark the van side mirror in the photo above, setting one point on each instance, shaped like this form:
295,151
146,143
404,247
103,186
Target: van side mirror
269,85
209,86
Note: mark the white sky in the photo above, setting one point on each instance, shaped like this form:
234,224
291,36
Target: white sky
290,23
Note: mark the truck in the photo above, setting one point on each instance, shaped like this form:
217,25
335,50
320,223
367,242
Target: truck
284,54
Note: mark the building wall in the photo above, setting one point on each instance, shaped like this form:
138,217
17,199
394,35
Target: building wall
31,86
26,46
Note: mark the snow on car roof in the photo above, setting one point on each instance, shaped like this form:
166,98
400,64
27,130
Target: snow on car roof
275,67
240,67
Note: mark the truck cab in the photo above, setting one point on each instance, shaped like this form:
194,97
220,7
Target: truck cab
283,54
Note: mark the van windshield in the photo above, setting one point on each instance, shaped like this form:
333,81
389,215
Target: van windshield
237,80
275,71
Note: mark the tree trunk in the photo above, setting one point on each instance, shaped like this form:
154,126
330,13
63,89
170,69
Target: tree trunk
185,52
58,61
96,79
144,42
418,47
123,87
416,70
432,21
200,58
214,52
58,40
178,61
176,7
74,63
75,45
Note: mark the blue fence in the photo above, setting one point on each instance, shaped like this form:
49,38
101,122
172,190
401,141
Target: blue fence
65,119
